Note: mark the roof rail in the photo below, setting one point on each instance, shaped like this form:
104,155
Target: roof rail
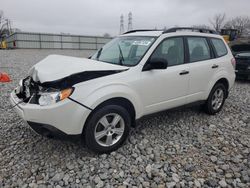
140,30
193,29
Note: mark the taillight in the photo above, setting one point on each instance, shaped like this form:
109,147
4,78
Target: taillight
233,62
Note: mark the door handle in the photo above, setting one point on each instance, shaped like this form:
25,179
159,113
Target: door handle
215,66
183,72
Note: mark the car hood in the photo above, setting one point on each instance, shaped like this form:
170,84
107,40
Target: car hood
57,67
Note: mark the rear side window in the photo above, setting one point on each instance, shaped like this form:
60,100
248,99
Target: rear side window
198,49
220,47
172,50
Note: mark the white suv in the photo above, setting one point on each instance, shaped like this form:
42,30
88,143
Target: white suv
138,73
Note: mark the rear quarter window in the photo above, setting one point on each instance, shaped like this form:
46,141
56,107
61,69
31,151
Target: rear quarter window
219,47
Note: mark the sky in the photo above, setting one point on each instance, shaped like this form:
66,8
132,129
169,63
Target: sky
96,17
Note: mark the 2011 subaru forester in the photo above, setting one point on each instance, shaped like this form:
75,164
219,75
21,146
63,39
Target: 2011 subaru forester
138,73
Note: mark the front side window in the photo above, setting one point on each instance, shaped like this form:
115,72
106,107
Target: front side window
219,46
127,51
198,49
172,50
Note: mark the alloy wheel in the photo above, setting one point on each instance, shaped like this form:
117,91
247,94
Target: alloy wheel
217,99
109,129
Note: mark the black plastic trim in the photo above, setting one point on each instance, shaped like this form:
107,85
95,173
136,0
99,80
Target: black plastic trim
80,104
211,47
51,131
186,50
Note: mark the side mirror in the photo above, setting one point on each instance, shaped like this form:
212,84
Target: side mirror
155,63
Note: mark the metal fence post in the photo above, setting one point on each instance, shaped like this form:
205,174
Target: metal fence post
61,43
96,43
79,40
40,40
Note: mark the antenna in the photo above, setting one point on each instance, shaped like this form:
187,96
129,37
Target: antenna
121,25
130,21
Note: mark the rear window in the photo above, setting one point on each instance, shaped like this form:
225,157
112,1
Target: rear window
220,47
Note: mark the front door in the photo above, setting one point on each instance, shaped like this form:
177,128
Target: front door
165,88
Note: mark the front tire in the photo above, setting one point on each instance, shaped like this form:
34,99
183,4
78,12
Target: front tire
107,129
216,99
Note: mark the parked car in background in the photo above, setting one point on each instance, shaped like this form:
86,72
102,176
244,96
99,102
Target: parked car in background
241,53
138,73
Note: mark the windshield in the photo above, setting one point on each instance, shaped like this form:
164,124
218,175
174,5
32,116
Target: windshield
127,51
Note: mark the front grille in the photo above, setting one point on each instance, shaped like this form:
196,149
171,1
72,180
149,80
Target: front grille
29,91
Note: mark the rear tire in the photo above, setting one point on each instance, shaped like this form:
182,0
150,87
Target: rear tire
107,129
215,99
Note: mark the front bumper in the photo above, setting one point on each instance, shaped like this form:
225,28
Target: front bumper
66,116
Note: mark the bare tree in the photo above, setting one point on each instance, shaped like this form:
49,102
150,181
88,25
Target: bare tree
3,25
1,19
218,21
241,23
1,16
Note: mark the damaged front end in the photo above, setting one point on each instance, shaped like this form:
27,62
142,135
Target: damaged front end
33,92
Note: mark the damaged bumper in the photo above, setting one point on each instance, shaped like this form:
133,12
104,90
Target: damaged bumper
66,116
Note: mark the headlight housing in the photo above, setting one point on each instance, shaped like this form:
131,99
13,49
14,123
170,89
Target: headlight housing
48,98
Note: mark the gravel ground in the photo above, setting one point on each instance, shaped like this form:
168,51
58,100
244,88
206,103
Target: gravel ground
178,148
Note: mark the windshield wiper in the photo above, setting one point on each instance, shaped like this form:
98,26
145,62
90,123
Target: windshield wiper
99,53
121,58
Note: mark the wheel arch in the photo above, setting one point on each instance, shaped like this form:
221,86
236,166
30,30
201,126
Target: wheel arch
120,101
222,78
225,82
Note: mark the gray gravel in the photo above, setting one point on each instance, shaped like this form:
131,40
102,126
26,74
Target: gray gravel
178,148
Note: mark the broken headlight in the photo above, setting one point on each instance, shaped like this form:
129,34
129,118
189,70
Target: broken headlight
48,98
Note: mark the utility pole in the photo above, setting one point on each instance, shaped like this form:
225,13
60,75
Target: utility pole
130,27
121,25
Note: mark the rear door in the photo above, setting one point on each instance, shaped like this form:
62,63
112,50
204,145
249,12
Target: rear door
202,66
